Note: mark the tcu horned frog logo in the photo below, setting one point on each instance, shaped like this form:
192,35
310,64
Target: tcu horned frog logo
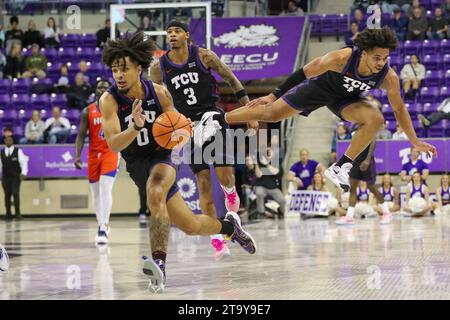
260,35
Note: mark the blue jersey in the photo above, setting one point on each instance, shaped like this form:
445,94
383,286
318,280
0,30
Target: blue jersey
387,195
445,195
362,195
144,146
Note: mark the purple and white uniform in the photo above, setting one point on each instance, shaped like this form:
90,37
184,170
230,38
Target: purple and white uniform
387,195
445,195
362,195
417,192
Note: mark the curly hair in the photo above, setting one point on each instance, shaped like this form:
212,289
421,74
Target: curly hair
369,39
136,46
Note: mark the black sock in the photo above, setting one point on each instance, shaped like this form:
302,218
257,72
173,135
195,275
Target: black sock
227,227
161,255
343,159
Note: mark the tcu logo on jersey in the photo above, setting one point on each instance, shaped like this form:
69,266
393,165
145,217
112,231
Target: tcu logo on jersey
184,79
352,84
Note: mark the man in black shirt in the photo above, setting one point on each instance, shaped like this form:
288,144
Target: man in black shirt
266,184
103,35
13,35
32,36
14,168
437,28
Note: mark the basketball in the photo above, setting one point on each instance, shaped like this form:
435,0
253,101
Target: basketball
171,129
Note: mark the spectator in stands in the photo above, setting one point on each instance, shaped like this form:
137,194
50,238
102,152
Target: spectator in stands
57,128
62,86
146,25
248,181
340,134
417,189
103,35
399,134
349,35
7,132
266,182
32,36
416,5
293,10
2,36
358,17
36,64
389,6
442,112
14,62
399,24
14,35
2,64
417,26
78,94
414,165
34,129
301,173
51,34
412,74
363,4
445,7
384,134
318,183
83,68
437,28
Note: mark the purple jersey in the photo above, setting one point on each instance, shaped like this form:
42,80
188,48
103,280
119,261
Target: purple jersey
417,192
445,195
362,195
387,195
411,167
305,172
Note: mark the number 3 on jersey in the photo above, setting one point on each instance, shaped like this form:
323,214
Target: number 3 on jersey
191,95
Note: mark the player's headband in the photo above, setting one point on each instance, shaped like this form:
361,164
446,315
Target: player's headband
178,24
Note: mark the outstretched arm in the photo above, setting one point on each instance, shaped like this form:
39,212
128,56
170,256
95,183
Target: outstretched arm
392,86
211,60
79,142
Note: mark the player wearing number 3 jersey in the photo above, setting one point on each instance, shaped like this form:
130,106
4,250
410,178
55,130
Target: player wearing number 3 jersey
186,71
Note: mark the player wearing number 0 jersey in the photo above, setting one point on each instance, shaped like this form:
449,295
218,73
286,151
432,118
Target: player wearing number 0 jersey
103,164
186,72
129,109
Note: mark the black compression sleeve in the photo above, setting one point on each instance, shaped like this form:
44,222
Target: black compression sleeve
294,79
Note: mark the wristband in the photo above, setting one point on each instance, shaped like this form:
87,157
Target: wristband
241,93
136,127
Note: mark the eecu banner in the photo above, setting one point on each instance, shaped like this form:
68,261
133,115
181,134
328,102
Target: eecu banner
256,47
310,202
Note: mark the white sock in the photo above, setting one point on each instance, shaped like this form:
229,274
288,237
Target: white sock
229,190
106,185
95,191
385,208
350,212
217,236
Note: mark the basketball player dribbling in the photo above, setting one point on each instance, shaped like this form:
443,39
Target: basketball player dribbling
103,164
338,80
186,72
129,109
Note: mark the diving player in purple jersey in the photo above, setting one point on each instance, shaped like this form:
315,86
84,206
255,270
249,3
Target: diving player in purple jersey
339,80
129,109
